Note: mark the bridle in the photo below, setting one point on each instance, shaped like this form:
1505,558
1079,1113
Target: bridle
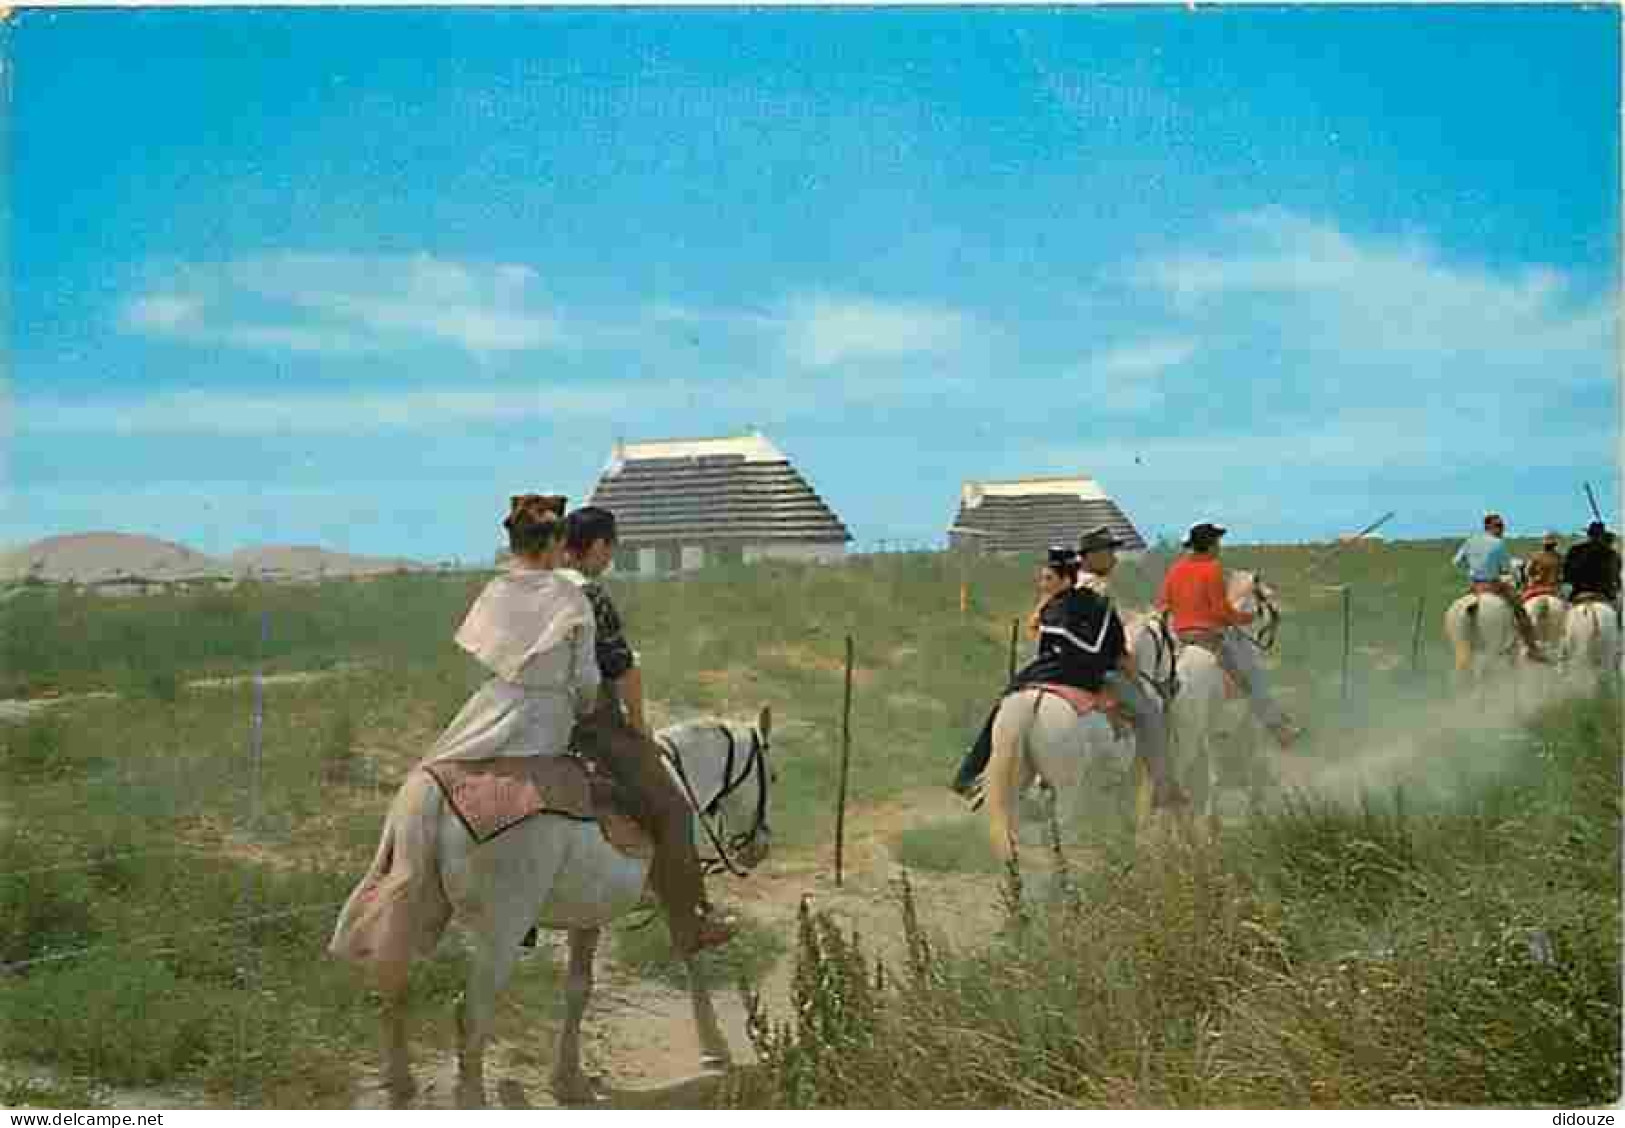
711,817
1265,638
1166,648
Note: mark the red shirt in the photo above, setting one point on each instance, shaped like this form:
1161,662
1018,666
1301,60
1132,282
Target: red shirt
1194,591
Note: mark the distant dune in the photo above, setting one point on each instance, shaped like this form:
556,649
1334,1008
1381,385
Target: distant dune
309,561
88,558
101,557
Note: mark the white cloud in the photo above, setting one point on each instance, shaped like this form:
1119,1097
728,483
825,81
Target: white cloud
1326,291
1141,360
349,304
1127,379
161,313
821,331
263,413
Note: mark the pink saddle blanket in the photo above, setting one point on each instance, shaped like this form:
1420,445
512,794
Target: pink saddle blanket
1083,700
491,796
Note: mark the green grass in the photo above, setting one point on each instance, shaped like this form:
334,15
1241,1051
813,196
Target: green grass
166,812
1332,956
645,948
952,846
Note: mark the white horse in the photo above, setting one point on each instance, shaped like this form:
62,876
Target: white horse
555,871
1480,627
1549,614
1591,640
1036,733
1198,713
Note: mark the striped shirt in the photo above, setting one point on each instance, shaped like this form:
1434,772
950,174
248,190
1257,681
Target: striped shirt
615,654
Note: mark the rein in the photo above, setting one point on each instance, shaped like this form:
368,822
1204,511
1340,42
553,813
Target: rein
709,813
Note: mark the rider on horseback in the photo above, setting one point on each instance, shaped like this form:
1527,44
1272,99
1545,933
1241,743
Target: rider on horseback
1196,600
1484,557
1591,568
1081,643
627,749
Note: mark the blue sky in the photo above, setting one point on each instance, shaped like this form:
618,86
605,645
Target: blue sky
350,277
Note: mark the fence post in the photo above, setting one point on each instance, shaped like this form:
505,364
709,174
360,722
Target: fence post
1347,631
846,757
1416,635
1015,628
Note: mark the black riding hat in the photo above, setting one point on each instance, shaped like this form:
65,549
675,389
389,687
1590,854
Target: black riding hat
1097,540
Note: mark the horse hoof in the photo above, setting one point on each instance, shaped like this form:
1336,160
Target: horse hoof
716,1061
402,1092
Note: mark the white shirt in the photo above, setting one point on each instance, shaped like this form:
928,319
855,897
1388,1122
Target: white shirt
534,631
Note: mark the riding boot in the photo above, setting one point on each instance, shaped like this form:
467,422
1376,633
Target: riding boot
1150,739
675,877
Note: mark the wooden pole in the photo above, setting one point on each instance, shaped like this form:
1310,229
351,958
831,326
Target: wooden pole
1591,499
1015,630
1342,544
846,757
1416,635
1348,619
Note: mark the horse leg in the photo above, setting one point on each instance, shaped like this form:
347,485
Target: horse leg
568,1083
1011,726
714,1052
396,1061
495,950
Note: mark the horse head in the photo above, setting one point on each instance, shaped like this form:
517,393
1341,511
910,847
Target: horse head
1250,594
726,772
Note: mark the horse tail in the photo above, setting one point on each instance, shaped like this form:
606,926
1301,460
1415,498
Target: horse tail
1012,724
399,908
1467,642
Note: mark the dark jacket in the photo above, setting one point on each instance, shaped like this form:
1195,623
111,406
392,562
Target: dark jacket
1080,641
615,656
1592,566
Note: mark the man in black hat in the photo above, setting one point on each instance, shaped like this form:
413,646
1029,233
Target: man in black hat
1081,643
1097,558
1591,568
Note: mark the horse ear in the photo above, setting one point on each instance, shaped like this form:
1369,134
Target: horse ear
764,721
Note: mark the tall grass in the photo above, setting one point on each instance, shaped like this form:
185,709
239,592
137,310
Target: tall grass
133,818
1326,957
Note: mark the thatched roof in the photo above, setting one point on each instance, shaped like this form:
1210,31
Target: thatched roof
1031,514
739,489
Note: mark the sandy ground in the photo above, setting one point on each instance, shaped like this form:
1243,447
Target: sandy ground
638,1037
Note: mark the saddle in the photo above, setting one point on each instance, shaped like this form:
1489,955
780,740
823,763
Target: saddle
493,796
1535,591
1085,701
1585,597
